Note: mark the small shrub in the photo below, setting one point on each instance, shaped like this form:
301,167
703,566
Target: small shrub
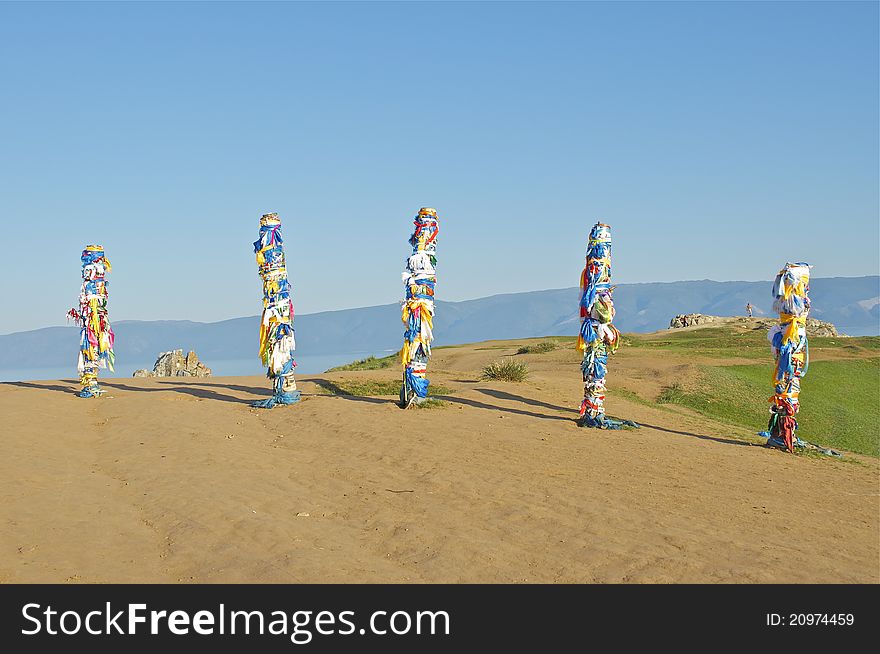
360,387
435,389
506,370
538,348
671,395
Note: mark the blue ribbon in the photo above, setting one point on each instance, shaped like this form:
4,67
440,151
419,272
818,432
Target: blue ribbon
419,385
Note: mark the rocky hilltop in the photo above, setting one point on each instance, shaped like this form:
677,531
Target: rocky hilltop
174,364
814,327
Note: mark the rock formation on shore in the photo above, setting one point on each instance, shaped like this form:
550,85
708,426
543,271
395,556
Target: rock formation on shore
174,364
815,327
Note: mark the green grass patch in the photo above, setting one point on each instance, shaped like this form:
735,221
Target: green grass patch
839,401
724,343
541,347
506,370
672,395
551,342
371,387
715,342
858,345
360,386
370,363
635,397
430,403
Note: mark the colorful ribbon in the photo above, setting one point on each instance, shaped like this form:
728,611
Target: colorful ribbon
598,337
788,342
96,335
418,307
276,325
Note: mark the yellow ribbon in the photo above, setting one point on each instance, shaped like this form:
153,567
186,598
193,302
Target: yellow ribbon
791,323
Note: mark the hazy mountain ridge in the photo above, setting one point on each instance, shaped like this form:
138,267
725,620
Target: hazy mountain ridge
851,303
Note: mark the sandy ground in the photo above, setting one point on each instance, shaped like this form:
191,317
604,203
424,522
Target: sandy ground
169,480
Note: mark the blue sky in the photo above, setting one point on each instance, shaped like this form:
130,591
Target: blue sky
718,139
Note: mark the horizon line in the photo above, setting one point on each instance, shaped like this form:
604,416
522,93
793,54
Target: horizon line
372,306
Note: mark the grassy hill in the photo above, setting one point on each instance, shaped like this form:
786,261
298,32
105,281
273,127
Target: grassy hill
839,394
839,405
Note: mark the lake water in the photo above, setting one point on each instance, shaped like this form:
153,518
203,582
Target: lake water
307,364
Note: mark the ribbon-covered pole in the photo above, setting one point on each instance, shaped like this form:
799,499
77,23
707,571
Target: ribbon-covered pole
788,342
276,325
598,337
418,307
96,335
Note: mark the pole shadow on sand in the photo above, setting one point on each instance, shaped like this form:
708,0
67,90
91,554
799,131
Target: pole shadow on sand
259,391
186,390
195,392
491,407
717,439
501,395
73,389
336,391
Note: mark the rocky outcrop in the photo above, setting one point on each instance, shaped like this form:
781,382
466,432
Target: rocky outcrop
174,364
815,327
821,328
691,320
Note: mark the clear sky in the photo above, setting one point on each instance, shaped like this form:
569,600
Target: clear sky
718,139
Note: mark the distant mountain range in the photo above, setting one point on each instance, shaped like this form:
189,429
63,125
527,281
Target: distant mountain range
851,303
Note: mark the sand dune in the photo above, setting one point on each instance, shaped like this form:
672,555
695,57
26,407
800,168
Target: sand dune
171,480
